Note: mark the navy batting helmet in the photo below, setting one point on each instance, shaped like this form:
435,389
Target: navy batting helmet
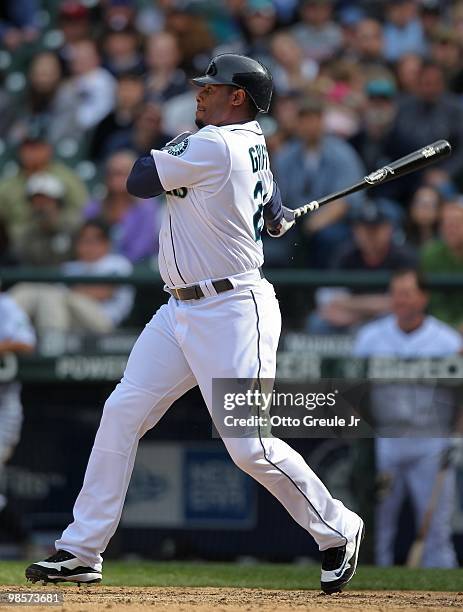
243,72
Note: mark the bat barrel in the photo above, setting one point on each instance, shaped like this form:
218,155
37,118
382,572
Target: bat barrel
410,163
413,161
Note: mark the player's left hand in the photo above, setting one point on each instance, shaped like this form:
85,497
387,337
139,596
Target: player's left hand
276,231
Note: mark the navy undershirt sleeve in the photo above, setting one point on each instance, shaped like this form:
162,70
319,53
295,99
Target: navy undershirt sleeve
273,210
143,180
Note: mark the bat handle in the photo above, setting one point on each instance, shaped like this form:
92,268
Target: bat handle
303,210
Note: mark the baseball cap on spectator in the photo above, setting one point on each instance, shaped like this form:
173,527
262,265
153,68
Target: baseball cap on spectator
351,15
430,6
370,213
260,6
73,10
445,35
35,132
312,106
46,184
380,88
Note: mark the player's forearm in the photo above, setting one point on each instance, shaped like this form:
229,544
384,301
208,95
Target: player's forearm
273,210
278,218
13,346
96,292
143,180
365,305
368,305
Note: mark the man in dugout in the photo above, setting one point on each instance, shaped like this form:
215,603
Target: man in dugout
418,424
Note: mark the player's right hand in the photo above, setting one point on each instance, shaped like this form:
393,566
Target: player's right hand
276,231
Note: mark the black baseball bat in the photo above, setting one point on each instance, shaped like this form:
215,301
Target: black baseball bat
410,163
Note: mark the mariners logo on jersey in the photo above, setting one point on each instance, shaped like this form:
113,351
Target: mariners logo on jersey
179,148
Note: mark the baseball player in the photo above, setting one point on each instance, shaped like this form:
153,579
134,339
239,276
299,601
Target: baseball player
424,412
221,321
16,336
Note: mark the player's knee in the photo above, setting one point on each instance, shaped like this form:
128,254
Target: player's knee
127,408
246,453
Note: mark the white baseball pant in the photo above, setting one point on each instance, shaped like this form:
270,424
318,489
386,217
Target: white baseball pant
11,418
231,335
412,465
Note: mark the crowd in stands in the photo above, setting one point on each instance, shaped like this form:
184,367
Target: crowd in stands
87,86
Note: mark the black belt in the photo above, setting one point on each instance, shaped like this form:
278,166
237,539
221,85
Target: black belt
194,292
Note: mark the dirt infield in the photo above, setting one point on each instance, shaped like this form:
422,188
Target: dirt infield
181,599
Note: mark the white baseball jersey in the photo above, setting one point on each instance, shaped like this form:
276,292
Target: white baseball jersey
14,326
400,406
217,182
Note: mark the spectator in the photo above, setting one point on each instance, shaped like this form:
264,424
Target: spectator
375,142
44,79
258,21
292,72
19,23
6,252
344,96
423,216
372,142
403,31
368,44
121,50
372,249
164,79
148,132
75,25
151,17
16,336
178,115
134,224
407,70
36,155
318,35
7,112
431,16
286,112
446,52
409,465
443,256
349,17
89,308
119,14
46,239
115,130
439,115
456,16
192,33
314,165
89,95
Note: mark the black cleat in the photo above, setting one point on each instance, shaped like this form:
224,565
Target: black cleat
62,567
339,564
